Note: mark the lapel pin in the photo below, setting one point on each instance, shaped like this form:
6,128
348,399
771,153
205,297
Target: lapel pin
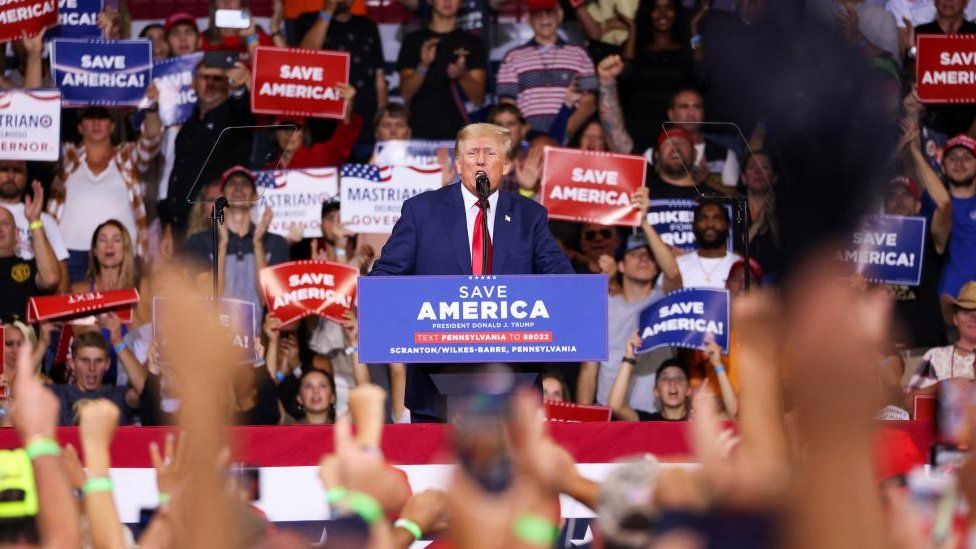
507,218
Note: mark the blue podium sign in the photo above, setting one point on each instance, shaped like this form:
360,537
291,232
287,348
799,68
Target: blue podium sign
504,318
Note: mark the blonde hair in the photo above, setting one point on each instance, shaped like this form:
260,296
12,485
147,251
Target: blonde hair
483,129
26,331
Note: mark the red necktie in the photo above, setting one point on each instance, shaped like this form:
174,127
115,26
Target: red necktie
476,266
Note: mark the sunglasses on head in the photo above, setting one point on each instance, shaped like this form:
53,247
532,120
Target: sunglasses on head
604,233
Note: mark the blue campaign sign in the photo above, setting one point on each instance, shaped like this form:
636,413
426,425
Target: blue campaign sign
77,19
173,78
505,318
887,249
685,318
101,72
674,220
236,315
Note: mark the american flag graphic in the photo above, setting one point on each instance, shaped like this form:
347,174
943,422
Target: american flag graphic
379,174
278,179
272,179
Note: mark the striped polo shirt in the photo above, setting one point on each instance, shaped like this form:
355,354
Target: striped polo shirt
537,76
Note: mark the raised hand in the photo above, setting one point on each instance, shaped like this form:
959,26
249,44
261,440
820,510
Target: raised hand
33,206
97,421
170,465
36,411
456,70
608,265
262,227
609,69
33,45
428,52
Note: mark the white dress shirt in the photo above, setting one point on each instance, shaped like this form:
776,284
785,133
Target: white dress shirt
471,213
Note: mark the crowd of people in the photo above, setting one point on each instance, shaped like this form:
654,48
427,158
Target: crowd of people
129,202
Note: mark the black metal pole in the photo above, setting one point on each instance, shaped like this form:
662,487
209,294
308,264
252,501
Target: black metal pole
217,219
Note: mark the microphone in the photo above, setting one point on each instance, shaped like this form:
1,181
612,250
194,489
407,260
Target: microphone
483,184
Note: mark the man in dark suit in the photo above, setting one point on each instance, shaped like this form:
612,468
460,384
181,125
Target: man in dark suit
440,233
436,229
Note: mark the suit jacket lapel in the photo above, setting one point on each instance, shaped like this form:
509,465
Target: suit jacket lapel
503,233
456,227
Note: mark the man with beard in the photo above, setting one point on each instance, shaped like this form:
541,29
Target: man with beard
675,155
708,266
22,278
336,29
13,184
955,233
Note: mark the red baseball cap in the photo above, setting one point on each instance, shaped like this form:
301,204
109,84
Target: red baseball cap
909,184
235,170
178,18
961,140
535,6
676,132
754,266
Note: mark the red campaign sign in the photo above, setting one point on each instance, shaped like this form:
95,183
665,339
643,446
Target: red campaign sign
298,289
575,413
591,187
75,306
299,82
945,68
32,16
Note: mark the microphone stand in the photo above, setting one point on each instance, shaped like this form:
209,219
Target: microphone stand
217,219
483,191
740,222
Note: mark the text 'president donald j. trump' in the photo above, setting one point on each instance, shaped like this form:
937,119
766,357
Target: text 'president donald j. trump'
440,232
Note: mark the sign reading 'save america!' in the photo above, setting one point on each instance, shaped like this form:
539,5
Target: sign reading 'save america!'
303,288
508,318
591,187
945,69
299,82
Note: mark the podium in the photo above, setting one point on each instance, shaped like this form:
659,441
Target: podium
471,320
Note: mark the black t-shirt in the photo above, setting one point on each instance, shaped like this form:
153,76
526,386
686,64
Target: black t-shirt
948,119
655,416
17,283
917,307
662,190
437,110
71,395
361,39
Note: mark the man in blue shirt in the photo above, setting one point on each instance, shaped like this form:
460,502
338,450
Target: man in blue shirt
952,205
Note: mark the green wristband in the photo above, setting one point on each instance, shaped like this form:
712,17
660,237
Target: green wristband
365,506
409,526
335,495
535,530
41,447
97,484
